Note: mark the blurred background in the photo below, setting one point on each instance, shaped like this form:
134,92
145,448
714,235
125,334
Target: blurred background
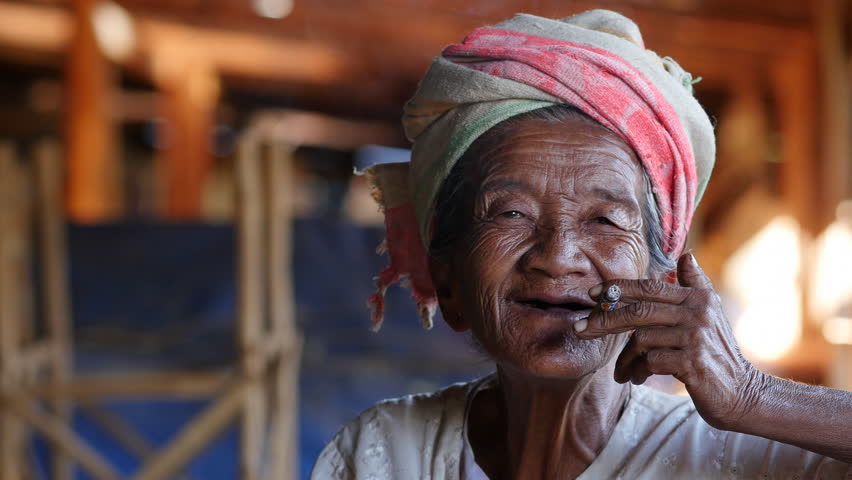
185,254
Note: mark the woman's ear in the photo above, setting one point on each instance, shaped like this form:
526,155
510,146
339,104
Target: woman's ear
449,295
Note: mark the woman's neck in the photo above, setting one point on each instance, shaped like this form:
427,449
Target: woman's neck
548,428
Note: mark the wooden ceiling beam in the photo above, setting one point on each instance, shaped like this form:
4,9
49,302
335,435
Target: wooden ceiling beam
402,37
327,52
244,54
48,29
443,22
38,28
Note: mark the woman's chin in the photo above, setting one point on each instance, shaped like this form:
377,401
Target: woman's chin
568,359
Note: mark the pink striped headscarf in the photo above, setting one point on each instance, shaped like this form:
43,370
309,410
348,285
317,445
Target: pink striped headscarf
596,62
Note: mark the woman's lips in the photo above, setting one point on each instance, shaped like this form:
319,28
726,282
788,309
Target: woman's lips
565,306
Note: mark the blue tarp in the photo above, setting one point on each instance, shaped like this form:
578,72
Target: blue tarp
163,295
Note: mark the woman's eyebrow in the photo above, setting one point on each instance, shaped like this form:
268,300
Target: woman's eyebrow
614,197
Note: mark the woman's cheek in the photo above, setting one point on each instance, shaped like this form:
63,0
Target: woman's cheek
493,253
621,256
495,248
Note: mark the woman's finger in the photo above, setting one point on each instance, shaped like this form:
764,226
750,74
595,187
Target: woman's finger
661,361
664,361
639,374
641,342
689,274
640,314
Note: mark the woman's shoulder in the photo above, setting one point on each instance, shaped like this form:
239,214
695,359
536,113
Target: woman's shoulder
403,437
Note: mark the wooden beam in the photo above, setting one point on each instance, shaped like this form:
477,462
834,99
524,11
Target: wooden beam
407,39
50,29
90,135
242,53
29,27
189,93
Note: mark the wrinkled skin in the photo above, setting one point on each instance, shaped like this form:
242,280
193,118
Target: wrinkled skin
556,214
553,218
680,331
556,218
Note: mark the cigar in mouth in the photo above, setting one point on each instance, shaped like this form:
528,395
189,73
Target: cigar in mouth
609,298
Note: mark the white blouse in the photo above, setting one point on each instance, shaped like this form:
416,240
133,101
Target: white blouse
658,436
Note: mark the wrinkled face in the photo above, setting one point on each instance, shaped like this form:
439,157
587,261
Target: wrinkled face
557,211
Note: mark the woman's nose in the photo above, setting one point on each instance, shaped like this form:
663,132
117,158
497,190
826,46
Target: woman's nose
557,254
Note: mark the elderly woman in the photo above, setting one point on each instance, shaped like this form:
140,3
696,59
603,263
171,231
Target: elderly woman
555,169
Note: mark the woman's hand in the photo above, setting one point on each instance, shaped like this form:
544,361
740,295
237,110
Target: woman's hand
680,330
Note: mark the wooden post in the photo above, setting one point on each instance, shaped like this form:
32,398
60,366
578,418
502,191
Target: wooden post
54,277
11,249
250,241
284,375
93,166
189,92
836,101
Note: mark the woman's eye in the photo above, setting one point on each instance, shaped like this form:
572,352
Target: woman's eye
604,221
512,214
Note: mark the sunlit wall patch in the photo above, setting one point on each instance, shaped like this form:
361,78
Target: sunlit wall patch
763,280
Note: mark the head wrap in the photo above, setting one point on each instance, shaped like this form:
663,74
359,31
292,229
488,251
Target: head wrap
595,61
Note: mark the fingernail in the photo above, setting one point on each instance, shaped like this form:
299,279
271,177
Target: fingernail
692,259
596,290
581,325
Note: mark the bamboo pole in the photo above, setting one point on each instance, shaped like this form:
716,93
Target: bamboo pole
11,249
62,436
279,219
250,241
284,422
123,432
195,436
99,387
23,218
33,359
285,350
55,289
